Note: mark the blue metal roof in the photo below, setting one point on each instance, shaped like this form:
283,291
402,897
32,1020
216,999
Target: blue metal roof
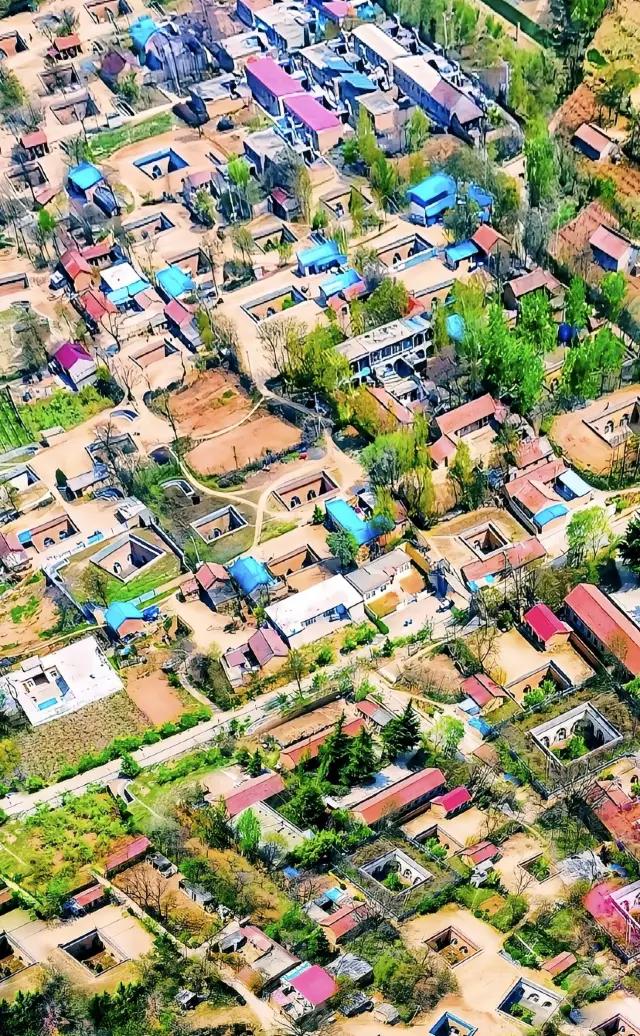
174,281
249,574
343,515
432,189
120,295
359,81
479,195
574,483
321,253
463,250
547,514
339,282
85,175
119,612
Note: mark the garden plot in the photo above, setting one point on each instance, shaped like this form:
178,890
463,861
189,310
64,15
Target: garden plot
165,901
152,695
44,750
210,403
25,612
262,433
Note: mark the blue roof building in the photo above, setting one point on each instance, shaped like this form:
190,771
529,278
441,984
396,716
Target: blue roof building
320,258
119,613
483,199
547,514
141,30
174,282
250,574
340,282
432,197
454,254
84,176
343,517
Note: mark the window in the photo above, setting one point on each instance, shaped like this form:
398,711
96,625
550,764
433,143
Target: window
48,541
311,495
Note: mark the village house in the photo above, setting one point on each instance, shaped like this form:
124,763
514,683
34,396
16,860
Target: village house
593,142
76,364
603,625
462,423
270,84
307,616
264,650
545,629
304,992
538,280
612,250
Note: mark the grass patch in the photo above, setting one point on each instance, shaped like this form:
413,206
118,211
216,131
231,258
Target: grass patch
156,798
228,547
108,141
67,409
25,611
275,529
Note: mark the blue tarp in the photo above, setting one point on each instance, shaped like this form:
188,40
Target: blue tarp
339,282
455,327
344,516
84,176
119,612
320,255
438,187
141,30
249,574
174,282
480,725
574,483
547,514
463,250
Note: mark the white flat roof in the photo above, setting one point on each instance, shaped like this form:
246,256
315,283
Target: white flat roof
377,40
289,614
120,276
53,685
417,69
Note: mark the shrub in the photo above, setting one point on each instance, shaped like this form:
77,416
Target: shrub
324,656
4,790
3,817
34,783
129,767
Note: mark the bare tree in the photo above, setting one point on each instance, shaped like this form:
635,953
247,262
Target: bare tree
129,377
146,887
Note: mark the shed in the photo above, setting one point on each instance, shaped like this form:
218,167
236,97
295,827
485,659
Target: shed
320,258
344,517
174,282
124,619
84,176
386,1013
250,574
455,254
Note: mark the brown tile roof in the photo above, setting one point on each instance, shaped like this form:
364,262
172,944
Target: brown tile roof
466,414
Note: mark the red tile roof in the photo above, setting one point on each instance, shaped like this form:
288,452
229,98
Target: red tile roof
532,452
486,238
466,414
559,964
309,746
210,573
66,42
452,799
608,241
314,984
90,895
35,139
610,625
386,400
273,77
256,789
95,304
482,689
178,312
544,623
523,553
393,799
131,851
442,449
533,281
266,644
343,921
480,852
97,251
73,263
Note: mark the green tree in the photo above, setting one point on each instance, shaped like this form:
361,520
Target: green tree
255,767
613,288
629,549
468,480
295,667
204,208
588,533
213,824
540,162
362,762
386,184
343,546
128,766
587,365
12,92
9,756
576,310
463,219
388,302
318,515
248,832
306,808
129,89
239,172
334,754
401,733
446,735
417,130
536,324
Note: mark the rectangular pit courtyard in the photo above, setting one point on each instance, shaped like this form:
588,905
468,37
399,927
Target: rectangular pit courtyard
219,523
305,490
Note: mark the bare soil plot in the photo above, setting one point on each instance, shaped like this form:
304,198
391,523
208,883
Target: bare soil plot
262,434
24,613
581,444
153,696
45,749
212,402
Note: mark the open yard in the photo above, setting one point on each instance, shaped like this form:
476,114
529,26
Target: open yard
262,433
152,695
24,613
579,442
44,750
211,402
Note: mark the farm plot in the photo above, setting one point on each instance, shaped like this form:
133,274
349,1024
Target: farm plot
45,750
152,696
212,402
12,431
25,612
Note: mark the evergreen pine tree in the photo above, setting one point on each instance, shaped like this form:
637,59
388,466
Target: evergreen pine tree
362,759
334,754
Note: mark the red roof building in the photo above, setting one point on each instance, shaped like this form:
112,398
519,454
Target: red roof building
545,627
90,896
483,690
451,802
486,238
558,964
314,984
308,747
479,853
76,268
34,141
256,789
95,305
342,922
603,625
130,853
468,417
409,792
504,562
